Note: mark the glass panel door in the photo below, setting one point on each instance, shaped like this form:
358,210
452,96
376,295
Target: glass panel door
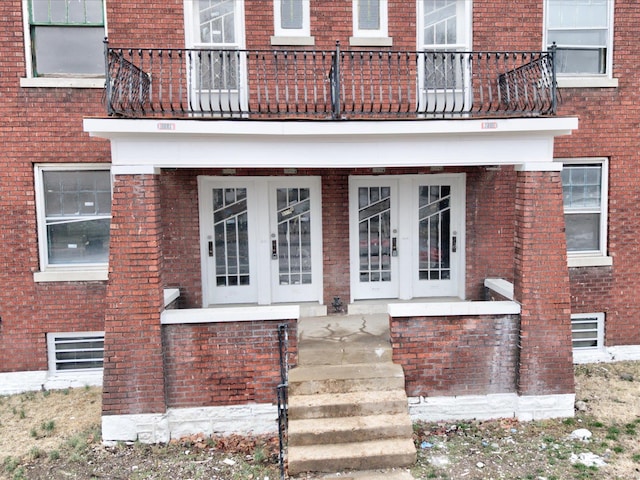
374,237
295,240
228,226
439,231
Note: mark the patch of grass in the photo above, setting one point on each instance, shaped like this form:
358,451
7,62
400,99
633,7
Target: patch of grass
54,455
613,433
46,393
10,464
36,452
33,433
569,421
48,426
636,457
18,474
630,429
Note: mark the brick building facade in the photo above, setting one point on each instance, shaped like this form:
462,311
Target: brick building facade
275,159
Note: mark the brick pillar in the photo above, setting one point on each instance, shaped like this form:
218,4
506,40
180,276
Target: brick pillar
541,285
133,370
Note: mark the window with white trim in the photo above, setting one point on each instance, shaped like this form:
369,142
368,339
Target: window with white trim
583,33
291,18
64,38
370,18
587,331
74,215
75,351
584,188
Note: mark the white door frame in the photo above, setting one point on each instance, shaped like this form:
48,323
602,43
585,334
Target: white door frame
259,205
404,266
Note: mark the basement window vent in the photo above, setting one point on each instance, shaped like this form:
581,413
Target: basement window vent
587,331
75,351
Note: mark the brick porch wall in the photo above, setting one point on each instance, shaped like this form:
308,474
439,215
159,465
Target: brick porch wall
459,355
230,363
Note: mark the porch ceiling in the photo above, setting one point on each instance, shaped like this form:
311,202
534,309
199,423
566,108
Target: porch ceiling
140,146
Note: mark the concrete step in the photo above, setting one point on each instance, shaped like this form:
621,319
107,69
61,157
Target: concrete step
314,352
318,431
311,380
328,405
395,452
386,474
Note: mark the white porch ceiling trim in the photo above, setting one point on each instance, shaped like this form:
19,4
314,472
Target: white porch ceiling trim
144,144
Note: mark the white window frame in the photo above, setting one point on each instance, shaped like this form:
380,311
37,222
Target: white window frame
75,81
591,258
292,36
464,25
51,350
568,80
371,37
65,272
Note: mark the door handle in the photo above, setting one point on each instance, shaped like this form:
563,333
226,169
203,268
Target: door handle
454,244
211,249
394,247
274,250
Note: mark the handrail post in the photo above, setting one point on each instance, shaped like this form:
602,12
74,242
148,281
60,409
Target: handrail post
335,83
107,78
554,86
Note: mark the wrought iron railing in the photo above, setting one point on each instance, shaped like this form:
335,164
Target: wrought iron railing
335,84
282,393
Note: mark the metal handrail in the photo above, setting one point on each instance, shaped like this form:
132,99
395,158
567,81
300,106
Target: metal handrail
282,393
328,84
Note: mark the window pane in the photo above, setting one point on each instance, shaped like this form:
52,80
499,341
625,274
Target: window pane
68,50
217,21
67,11
581,186
583,231
440,22
77,193
79,242
369,14
291,14
577,13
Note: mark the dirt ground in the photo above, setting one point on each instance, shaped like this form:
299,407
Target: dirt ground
55,435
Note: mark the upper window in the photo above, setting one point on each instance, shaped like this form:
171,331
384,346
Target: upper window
291,18
584,186
582,31
74,216
66,38
370,18
445,24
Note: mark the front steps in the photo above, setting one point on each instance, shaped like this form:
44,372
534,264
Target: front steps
347,403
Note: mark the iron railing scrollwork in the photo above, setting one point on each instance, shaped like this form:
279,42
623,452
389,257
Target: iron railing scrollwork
328,84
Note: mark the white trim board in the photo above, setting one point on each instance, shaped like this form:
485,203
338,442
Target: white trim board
486,407
12,383
228,144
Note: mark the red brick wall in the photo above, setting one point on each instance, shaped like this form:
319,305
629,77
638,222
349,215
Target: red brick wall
541,286
39,125
609,120
224,363
457,355
133,364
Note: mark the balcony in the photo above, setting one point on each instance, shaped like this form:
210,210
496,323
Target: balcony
328,84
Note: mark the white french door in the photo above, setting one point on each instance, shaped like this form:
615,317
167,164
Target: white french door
261,239
407,236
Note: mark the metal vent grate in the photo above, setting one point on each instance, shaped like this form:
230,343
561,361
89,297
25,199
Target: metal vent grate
75,351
